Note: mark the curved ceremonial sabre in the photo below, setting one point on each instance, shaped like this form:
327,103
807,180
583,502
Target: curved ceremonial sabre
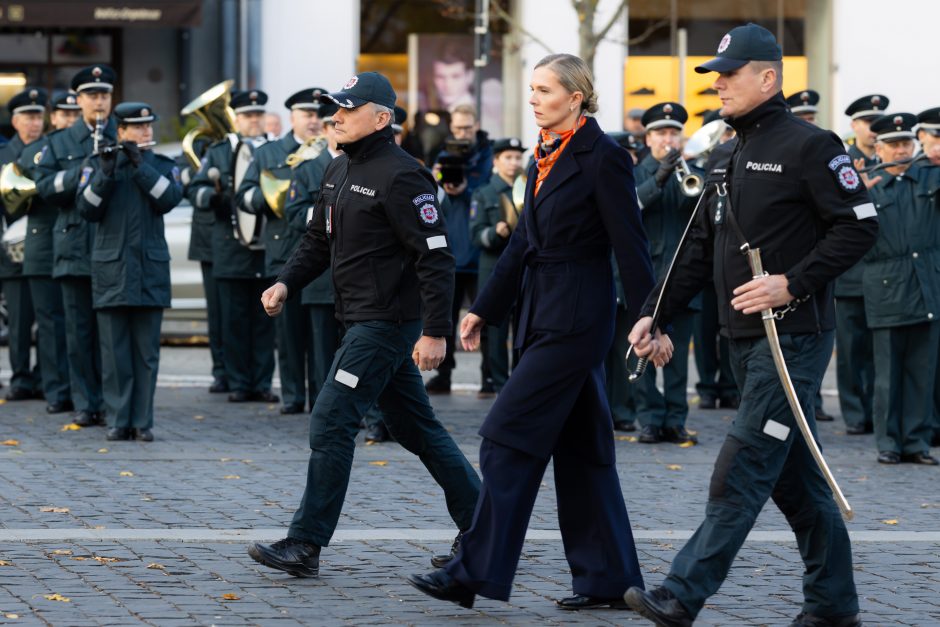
770,327
642,361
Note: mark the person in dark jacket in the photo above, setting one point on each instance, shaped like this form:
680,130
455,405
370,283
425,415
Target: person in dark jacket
901,288
791,190
126,189
493,215
59,171
377,223
580,203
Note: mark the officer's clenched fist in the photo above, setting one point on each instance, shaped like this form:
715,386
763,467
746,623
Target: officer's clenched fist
272,299
429,352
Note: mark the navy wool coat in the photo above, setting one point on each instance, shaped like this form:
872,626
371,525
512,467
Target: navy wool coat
557,268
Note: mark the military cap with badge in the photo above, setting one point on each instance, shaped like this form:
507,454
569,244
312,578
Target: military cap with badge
309,99
894,127
30,100
868,107
249,101
65,101
805,101
94,78
665,115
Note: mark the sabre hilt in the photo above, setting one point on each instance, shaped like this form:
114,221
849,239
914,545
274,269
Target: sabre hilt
639,370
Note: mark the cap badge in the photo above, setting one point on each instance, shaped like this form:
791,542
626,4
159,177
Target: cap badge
96,72
898,121
514,142
875,101
351,82
253,96
804,96
667,108
33,94
316,93
724,43
144,112
70,99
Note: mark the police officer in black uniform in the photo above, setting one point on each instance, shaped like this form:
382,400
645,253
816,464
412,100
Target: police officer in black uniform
790,190
378,221
126,189
27,111
237,268
280,240
59,171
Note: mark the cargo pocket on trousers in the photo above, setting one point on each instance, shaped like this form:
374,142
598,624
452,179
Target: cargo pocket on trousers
352,362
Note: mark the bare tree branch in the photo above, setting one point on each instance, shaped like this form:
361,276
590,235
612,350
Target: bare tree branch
613,20
515,25
646,34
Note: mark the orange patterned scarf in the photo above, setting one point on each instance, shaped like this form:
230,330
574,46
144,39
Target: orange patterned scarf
549,149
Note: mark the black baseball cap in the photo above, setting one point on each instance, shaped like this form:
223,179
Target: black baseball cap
362,88
742,45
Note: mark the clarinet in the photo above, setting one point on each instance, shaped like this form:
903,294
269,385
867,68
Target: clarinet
97,133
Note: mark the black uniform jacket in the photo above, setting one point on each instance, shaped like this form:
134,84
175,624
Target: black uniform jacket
797,197
379,217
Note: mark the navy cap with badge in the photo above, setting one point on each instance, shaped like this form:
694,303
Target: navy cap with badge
308,99
868,107
134,113
894,127
65,101
94,78
363,88
929,121
249,101
742,45
804,102
30,100
665,115
508,143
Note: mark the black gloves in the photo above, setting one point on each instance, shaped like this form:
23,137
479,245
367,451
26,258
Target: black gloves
107,159
667,167
132,152
221,204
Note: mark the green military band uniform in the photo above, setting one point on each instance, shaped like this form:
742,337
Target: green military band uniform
486,210
19,303
239,273
280,240
901,283
59,171
665,211
44,290
130,275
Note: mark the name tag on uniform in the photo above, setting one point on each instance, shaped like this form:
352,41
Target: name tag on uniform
776,430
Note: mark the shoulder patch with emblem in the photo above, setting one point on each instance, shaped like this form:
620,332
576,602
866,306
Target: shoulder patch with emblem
176,174
840,160
38,156
473,209
429,214
423,198
86,176
293,191
848,178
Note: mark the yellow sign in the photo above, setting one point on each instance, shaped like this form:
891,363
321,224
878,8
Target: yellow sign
651,80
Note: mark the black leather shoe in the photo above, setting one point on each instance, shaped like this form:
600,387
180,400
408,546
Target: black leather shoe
920,458
377,433
810,620
239,396
729,402
935,441
89,419
624,425
440,585
856,430
292,408
440,561
649,435
118,433
659,605
707,401
822,416
60,407
677,435
20,394
584,602
438,385
889,457
265,396
144,435
219,386
295,557
487,390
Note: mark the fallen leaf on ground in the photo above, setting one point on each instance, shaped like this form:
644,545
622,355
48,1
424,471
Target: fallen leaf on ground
11,616
379,463
105,560
55,510
79,558
687,444
126,473
5,563
57,597
71,427
10,442
198,417
890,521
3,401
155,566
102,450
231,477
628,438
62,552
228,596
225,459
146,499
673,467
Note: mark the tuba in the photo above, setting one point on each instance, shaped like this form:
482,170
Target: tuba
274,189
16,190
212,107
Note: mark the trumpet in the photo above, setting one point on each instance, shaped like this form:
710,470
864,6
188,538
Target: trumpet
690,183
892,164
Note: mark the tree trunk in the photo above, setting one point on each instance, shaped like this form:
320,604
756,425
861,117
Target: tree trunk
587,44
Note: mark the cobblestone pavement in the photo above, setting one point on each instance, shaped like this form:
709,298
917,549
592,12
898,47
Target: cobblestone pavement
133,533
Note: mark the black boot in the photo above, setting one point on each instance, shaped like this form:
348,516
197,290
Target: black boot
585,602
377,433
440,561
118,433
677,435
658,605
650,435
439,384
811,620
440,585
295,557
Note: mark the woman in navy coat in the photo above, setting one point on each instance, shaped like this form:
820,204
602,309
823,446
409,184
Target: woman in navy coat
580,202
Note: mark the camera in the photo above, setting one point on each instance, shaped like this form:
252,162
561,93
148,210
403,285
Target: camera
453,160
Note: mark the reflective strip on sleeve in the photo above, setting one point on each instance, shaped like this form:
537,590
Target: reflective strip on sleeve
159,187
59,182
201,197
438,241
250,199
485,237
93,198
865,211
639,202
441,194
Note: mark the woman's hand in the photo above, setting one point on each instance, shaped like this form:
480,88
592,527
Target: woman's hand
655,348
470,328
